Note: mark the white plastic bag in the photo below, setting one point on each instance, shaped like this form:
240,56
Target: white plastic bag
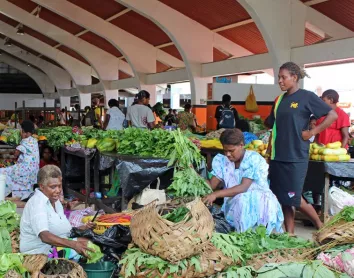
338,199
148,195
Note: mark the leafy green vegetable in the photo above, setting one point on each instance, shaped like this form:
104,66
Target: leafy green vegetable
339,249
237,272
58,136
346,214
176,215
227,246
11,262
134,258
5,241
9,218
94,257
13,136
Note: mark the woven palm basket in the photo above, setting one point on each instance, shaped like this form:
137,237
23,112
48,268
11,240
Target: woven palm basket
15,241
61,268
34,263
172,241
340,233
281,256
211,261
12,274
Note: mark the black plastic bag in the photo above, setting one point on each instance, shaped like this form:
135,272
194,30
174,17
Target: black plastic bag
113,243
221,225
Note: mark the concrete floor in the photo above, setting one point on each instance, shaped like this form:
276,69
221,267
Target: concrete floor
302,231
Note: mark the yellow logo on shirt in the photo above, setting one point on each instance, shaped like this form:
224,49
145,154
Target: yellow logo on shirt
294,105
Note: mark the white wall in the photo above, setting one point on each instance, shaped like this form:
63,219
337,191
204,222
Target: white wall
7,101
239,92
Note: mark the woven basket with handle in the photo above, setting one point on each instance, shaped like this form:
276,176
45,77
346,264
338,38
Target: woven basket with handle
211,261
341,233
172,241
12,274
61,268
281,256
34,263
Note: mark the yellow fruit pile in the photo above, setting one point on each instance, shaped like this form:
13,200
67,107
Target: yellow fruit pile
258,146
331,152
211,144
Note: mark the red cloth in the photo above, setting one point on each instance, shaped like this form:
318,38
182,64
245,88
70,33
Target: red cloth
42,163
333,133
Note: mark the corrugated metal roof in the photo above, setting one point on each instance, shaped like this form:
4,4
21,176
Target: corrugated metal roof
172,50
123,75
72,53
142,28
101,43
210,13
311,38
247,36
219,55
104,9
27,5
341,11
161,67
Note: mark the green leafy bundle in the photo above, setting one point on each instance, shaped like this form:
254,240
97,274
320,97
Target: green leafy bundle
176,215
11,262
58,136
9,218
346,214
95,256
225,243
134,258
258,241
13,136
187,182
5,241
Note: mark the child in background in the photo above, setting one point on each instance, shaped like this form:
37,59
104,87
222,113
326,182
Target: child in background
47,157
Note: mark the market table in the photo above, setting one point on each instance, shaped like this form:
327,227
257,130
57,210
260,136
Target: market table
320,181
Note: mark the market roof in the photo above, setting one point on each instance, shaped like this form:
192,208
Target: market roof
53,23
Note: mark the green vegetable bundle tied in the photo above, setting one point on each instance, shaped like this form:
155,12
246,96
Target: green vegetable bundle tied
106,145
95,256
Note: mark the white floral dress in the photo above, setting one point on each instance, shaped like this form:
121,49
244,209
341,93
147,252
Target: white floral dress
21,177
258,205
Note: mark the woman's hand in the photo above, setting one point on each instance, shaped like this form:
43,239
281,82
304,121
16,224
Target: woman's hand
81,248
88,225
307,134
210,199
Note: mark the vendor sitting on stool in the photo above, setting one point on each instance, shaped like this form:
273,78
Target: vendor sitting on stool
248,201
44,227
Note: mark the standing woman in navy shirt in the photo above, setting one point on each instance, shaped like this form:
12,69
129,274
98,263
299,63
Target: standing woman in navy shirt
289,119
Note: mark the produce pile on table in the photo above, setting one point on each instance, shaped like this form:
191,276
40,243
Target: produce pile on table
11,136
331,152
6,163
257,146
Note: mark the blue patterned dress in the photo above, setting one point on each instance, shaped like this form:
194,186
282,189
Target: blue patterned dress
258,205
21,177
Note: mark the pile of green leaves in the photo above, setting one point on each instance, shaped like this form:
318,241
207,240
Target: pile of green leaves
11,262
134,258
311,269
176,215
94,257
225,243
58,136
9,218
346,214
258,241
13,136
187,182
5,241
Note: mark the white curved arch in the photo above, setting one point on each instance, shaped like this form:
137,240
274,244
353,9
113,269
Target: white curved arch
42,80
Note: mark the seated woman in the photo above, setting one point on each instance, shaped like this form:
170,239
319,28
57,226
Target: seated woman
43,223
21,177
47,157
248,201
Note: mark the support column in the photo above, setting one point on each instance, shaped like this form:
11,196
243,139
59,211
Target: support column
152,90
110,94
175,97
85,100
201,96
64,102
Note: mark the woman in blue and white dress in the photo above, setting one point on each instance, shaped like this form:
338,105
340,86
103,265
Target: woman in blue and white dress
241,178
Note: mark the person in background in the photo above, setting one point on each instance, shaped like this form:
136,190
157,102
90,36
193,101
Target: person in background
114,117
241,178
76,116
62,117
97,112
339,129
33,120
244,126
12,123
289,120
186,119
174,111
312,125
170,118
47,157
86,117
21,177
40,122
225,114
140,115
